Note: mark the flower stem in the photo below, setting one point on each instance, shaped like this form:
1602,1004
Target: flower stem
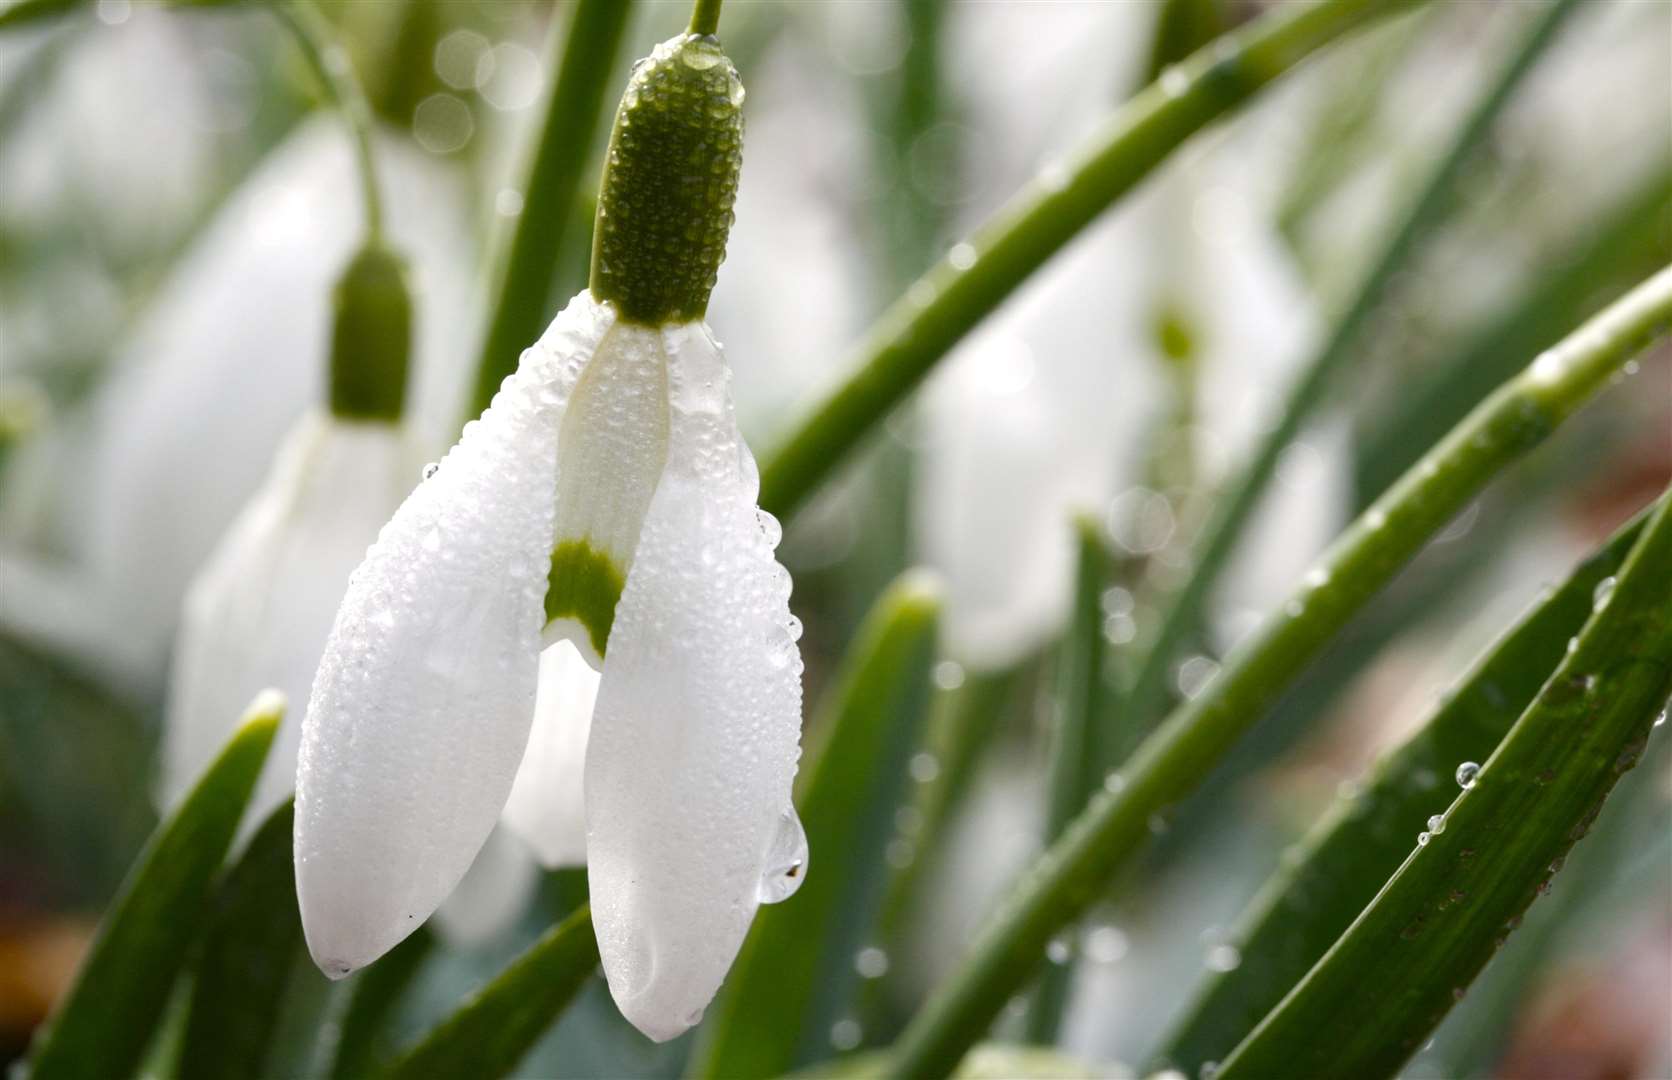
1144,702
317,41
705,17
1181,753
574,110
943,305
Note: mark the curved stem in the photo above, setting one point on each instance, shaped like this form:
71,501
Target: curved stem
1230,514
1183,751
705,16
948,301
317,40
583,55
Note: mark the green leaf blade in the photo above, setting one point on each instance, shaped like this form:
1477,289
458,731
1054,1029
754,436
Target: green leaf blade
104,1023
497,1026
797,960
1307,904
250,952
1446,911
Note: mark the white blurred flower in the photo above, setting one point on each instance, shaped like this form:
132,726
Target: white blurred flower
259,613
613,456
148,478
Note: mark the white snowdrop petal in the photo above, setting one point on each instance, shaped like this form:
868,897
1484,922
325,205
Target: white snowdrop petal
546,808
422,704
695,736
260,612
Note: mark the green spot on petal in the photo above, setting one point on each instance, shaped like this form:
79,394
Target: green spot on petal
584,585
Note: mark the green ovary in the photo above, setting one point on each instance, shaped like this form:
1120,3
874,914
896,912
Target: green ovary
584,585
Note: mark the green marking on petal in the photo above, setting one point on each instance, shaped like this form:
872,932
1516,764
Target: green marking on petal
584,585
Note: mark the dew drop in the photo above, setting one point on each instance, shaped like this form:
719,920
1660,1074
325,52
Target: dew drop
1602,593
962,256
871,963
1174,81
1105,944
845,1034
786,861
1057,951
924,767
1466,774
1224,958
1437,824
1422,839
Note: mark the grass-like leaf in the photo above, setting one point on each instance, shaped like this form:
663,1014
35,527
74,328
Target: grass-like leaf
500,1023
1173,761
1078,729
1314,897
104,1023
797,962
250,950
1447,909
955,295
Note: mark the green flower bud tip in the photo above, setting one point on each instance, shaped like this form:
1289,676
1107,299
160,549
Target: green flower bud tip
371,337
670,179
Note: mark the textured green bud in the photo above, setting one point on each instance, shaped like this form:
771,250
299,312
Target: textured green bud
665,203
370,337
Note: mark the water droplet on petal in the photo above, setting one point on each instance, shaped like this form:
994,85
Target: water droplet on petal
786,862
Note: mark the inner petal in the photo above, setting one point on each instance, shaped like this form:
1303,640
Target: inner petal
611,451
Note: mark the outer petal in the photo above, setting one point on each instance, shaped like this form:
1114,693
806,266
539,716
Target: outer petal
547,808
421,707
695,736
260,612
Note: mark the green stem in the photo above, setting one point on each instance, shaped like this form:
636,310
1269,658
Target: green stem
1181,753
705,17
317,41
588,48
1230,514
944,304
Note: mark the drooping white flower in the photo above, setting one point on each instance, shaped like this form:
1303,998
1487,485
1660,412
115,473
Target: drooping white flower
259,613
603,508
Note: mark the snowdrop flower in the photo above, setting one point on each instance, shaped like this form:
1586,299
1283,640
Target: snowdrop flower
259,613
220,368
603,504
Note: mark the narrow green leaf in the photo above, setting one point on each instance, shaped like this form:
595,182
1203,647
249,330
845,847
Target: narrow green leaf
102,1026
1625,242
1079,728
24,12
1321,888
1441,917
1146,700
362,1033
1181,753
501,1022
250,949
796,966
590,45
948,301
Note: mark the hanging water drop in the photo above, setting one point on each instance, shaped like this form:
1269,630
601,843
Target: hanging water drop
1422,839
1466,774
1437,824
786,862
